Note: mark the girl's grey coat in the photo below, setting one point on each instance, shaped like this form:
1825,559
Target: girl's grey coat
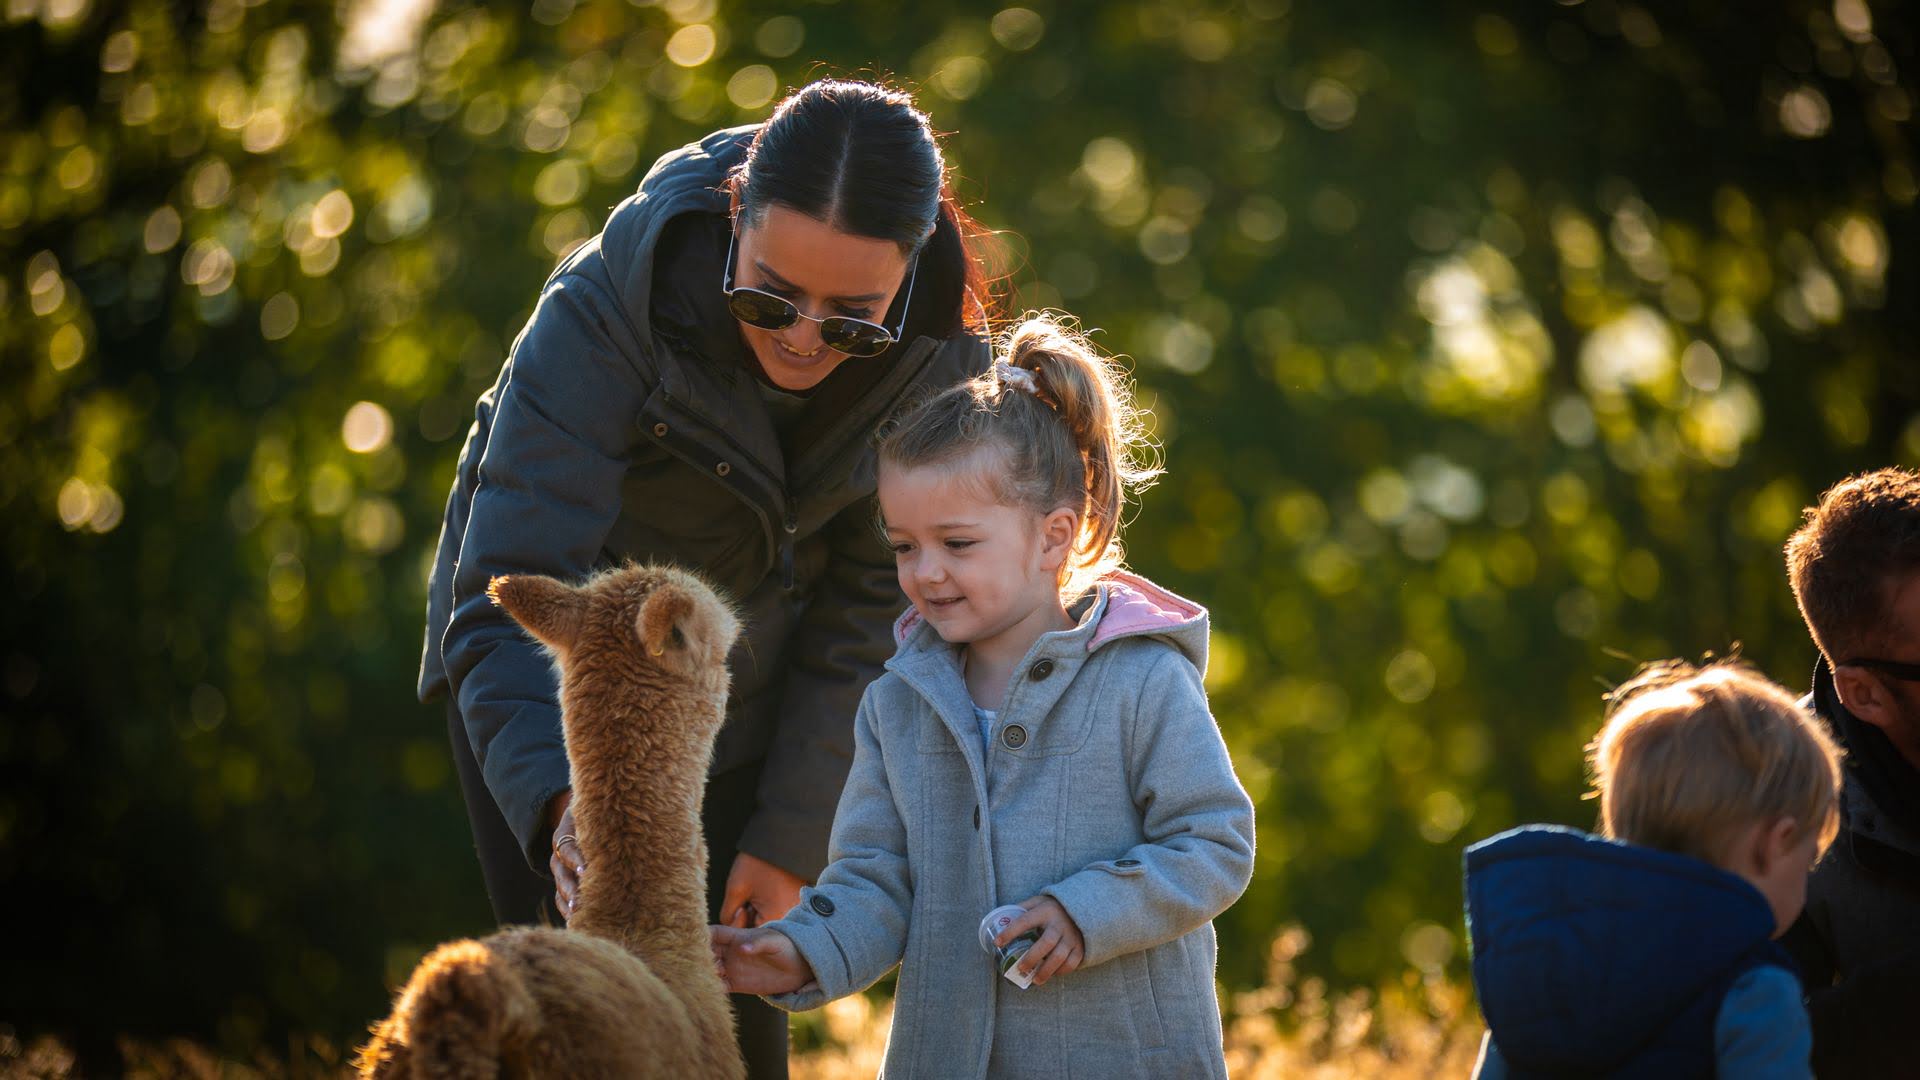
1105,785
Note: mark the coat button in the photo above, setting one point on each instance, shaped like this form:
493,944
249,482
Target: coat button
659,431
1040,670
723,468
976,818
1015,736
820,904
1126,862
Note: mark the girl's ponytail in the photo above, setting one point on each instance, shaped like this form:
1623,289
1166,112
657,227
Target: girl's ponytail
1063,420
1090,394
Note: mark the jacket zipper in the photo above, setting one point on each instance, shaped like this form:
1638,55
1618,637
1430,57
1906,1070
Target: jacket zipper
868,417
792,525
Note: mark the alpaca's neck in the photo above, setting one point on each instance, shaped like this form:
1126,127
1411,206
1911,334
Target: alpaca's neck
636,808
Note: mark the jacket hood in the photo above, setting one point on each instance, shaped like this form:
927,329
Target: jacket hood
681,211
687,180
1121,604
1586,948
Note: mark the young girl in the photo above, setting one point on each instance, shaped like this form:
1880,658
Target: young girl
1040,737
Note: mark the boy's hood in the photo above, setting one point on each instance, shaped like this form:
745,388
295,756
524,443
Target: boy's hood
1585,948
1122,604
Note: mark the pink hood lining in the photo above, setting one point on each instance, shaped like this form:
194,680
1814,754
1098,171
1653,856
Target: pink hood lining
1134,606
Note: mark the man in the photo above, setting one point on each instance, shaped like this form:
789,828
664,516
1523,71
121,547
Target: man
1855,570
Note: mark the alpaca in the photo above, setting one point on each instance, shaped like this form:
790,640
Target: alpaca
629,988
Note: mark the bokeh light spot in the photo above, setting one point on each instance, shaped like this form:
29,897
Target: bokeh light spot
1854,19
122,48
691,46
162,230
208,185
1495,36
367,428
66,347
752,86
561,183
1804,113
332,214
1018,29
780,36
375,526
279,316
1109,162
1410,676
75,502
1331,104
961,77
1429,946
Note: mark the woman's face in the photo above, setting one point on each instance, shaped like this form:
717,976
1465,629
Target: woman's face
820,270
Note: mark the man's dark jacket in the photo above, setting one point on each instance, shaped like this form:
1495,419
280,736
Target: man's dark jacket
627,423
1858,941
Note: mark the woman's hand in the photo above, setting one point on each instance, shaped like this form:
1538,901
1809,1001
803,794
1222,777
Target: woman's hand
1060,948
567,863
758,961
758,892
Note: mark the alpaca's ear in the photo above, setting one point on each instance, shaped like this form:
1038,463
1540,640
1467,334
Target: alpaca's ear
551,611
663,616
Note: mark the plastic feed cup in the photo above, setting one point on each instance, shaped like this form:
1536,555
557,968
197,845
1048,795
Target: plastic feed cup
1009,957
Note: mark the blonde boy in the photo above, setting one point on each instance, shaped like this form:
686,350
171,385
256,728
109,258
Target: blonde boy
1648,950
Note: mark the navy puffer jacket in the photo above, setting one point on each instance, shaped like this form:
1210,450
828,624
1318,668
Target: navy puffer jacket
628,424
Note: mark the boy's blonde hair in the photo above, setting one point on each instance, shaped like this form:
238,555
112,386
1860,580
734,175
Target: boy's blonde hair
1691,755
1061,419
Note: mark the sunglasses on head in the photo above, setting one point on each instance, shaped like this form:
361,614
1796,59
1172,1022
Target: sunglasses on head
1902,671
855,337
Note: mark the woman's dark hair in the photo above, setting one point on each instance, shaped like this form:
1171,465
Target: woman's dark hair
863,159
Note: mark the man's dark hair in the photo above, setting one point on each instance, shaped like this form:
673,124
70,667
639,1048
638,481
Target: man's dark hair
1864,534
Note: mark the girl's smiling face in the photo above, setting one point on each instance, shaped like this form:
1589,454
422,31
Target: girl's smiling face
820,270
975,568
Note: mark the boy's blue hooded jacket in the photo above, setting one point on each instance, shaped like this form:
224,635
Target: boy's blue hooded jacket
1599,958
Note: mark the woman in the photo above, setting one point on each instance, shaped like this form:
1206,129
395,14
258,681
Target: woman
698,384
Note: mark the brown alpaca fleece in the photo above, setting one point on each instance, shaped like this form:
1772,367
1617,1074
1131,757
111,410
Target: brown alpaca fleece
629,988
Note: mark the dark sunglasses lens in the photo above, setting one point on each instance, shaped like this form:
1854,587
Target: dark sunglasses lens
764,310
855,337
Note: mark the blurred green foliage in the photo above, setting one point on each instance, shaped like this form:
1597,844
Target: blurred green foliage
1495,348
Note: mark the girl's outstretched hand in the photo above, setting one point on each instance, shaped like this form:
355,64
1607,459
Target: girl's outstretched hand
758,961
1060,948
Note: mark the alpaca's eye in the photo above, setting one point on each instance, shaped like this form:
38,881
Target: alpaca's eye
679,639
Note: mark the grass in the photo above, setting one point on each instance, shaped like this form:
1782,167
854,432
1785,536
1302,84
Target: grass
1292,1026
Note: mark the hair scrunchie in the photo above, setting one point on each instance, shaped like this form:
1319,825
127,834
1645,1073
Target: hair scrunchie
1019,378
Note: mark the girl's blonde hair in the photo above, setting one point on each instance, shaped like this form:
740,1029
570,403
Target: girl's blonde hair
1689,756
1061,421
